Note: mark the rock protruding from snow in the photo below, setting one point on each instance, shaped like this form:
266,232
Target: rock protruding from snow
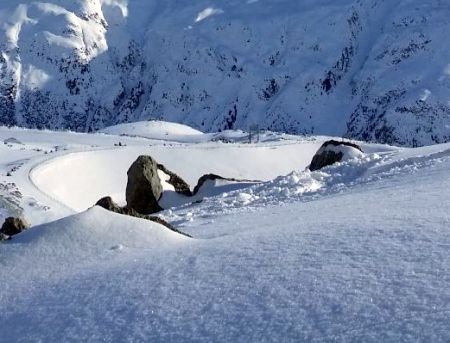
334,151
144,187
108,204
207,178
13,226
180,186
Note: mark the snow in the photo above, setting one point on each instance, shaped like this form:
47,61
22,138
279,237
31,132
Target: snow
153,129
357,251
208,12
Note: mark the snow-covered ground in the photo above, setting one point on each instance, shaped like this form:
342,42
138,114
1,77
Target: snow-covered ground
358,251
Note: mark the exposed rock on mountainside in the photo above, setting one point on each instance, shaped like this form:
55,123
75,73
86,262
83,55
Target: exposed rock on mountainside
333,151
373,70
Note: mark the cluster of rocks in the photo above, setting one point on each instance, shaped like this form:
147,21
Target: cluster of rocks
11,227
145,189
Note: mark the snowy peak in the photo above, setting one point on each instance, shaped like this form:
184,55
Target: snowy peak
372,70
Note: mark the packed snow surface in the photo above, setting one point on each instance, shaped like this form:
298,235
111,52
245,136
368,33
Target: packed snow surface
358,251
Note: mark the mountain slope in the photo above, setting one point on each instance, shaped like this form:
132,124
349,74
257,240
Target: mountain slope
373,70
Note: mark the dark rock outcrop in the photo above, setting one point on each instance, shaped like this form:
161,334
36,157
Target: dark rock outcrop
326,157
108,204
177,182
13,226
144,187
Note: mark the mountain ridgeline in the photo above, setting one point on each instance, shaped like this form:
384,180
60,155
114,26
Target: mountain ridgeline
375,70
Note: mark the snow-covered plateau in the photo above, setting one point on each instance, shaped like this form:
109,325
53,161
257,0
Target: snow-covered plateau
355,252
374,70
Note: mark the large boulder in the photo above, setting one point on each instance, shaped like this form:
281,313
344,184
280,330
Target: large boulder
334,151
13,226
144,187
108,204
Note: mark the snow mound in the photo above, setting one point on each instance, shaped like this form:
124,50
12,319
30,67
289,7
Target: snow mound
296,186
84,239
152,129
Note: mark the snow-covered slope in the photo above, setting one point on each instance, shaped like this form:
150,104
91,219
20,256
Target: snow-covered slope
373,69
358,251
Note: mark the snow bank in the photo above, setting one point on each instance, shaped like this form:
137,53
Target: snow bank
84,239
153,130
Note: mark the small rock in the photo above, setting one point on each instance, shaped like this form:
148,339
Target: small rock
213,177
331,152
13,226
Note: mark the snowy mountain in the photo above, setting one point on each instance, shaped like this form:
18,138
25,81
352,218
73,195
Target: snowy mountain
374,70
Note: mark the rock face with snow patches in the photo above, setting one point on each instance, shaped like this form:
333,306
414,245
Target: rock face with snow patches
333,151
372,70
144,187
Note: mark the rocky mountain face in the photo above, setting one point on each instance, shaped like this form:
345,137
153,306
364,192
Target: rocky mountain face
376,70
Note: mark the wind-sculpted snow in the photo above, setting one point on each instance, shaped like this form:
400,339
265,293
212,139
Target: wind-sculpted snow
373,70
364,257
304,186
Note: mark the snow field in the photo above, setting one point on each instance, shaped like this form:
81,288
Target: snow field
355,252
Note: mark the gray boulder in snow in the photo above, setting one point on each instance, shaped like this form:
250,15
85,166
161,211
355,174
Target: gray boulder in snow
144,187
333,151
13,226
